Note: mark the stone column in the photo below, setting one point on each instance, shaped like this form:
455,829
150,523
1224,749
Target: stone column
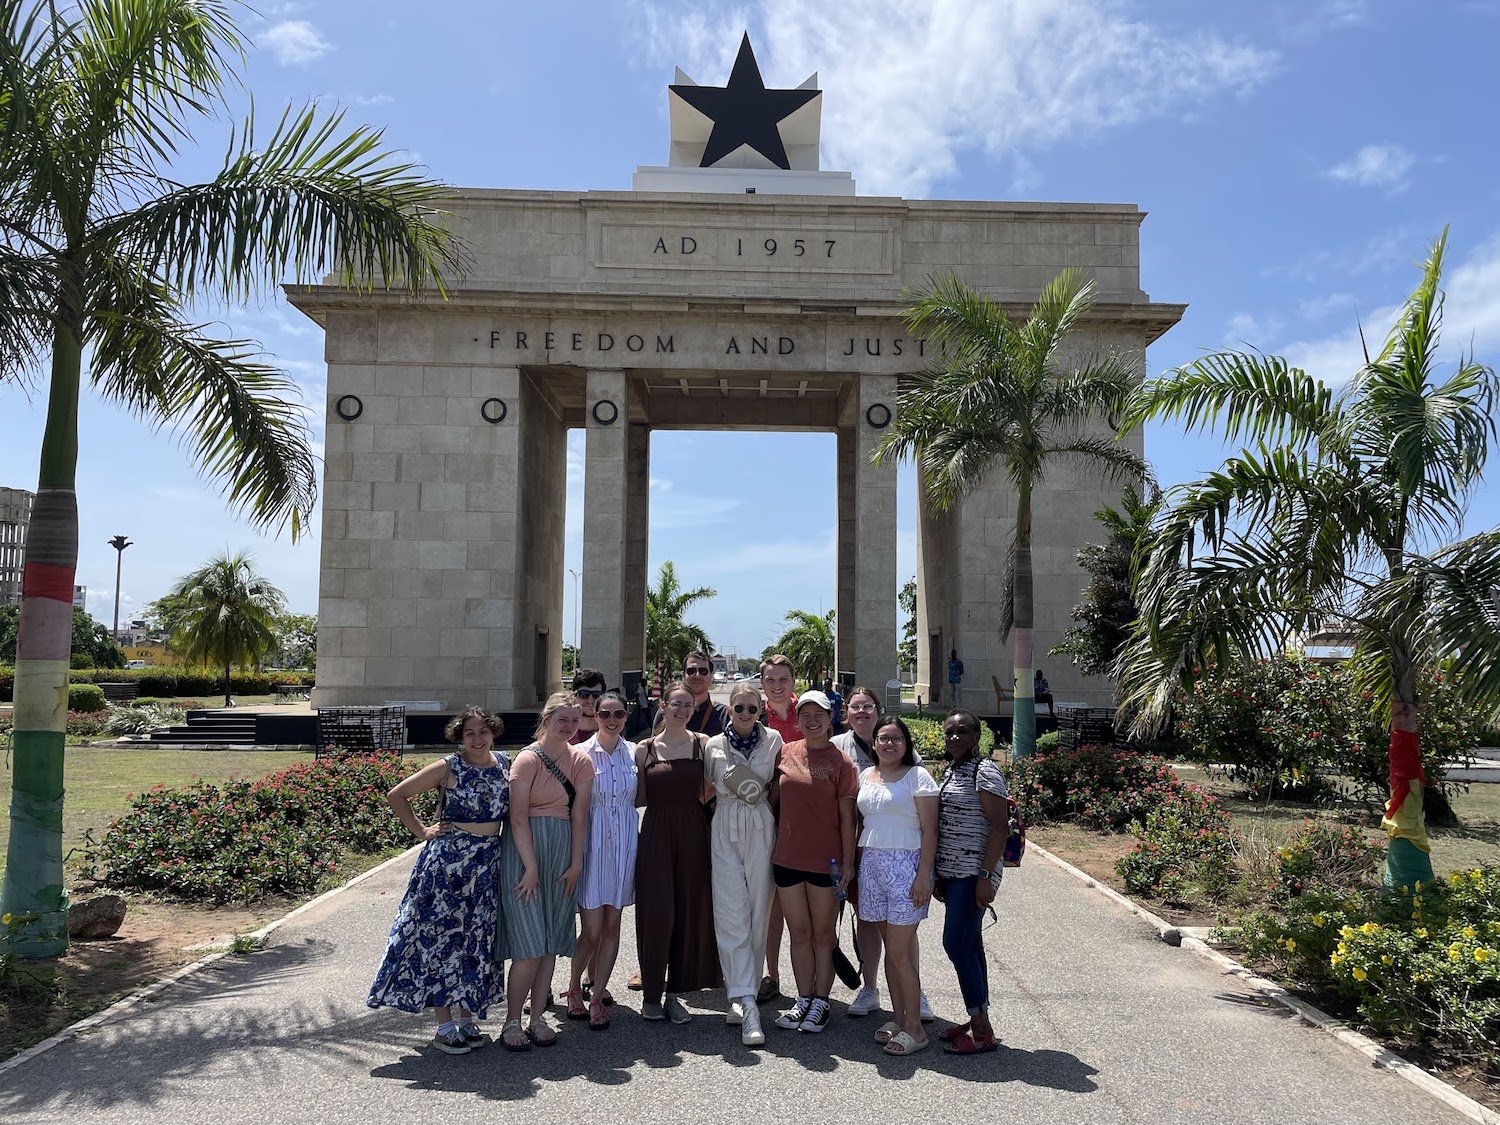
874,655
607,490
846,622
637,544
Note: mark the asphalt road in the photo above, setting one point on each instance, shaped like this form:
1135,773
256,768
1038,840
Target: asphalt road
1101,1023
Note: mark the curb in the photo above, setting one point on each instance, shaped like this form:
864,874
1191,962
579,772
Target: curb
125,1004
1380,1056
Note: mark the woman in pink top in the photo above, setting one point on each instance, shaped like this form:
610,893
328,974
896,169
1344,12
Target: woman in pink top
541,859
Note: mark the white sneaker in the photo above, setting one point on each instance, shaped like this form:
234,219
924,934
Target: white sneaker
866,1002
924,1010
750,1033
736,1014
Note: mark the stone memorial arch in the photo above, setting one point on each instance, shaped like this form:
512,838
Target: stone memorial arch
750,291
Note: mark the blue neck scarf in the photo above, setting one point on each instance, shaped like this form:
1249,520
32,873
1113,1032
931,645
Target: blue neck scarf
746,744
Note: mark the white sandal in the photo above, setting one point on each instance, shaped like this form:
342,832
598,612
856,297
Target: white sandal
886,1032
903,1044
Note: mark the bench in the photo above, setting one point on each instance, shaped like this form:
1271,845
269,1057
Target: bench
1079,726
120,693
285,690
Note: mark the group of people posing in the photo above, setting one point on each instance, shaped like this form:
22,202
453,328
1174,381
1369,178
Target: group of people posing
757,818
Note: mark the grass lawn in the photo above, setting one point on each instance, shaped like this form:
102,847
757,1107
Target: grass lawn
98,782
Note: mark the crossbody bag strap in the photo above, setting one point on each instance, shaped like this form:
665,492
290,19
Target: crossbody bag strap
562,778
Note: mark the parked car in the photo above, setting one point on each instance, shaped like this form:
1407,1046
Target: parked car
135,664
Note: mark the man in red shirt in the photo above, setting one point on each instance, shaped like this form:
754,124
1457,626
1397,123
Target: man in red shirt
776,683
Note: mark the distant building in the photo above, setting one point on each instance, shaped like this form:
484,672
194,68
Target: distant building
153,655
81,598
15,516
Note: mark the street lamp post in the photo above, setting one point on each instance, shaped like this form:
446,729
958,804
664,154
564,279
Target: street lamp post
577,617
119,543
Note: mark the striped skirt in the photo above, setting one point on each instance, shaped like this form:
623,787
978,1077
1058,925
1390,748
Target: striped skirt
544,926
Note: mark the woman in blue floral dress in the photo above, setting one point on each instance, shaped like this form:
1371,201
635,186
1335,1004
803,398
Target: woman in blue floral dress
440,951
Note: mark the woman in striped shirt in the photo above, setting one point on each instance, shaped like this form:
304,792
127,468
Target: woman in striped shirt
973,824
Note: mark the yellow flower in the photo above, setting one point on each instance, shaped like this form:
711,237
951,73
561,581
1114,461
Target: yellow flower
1470,933
1495,927
1370,928
1456,878
1317,919
1416,915
1291,944
1346,932
1417,901
1455,951
1387,959
1285,853
1334,959
1405,889
5,919
1422,933
1482,955
1419,886
1359,974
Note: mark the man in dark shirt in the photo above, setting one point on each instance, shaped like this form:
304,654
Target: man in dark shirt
709,718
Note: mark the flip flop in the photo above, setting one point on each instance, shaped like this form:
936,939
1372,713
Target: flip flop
887,1032
966,1044
903,1044
548,1040
949,1034
505,1040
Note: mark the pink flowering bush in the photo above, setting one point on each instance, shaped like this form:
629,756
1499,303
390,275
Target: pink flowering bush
244,840
1100,787
1185,849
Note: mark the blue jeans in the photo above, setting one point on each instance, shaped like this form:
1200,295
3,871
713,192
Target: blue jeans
962,920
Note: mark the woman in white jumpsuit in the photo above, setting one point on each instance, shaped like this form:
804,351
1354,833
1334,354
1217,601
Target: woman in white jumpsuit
741,762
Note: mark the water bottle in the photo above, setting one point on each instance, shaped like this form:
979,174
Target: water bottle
836,871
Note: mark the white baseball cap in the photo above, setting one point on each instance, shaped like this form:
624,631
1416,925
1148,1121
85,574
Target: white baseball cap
817,698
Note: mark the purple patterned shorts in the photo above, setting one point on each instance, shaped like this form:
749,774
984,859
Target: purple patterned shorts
885,879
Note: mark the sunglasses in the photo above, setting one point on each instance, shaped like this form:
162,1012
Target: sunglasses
698,671
746,709
610,714
589,693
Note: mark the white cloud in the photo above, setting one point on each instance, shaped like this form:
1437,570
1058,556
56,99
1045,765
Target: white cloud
1375,166
910,84
296,43
1246,330
1471,322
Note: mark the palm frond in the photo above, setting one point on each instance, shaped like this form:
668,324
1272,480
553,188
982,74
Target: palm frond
1246,393
28,291
309,201
957,319
1064,301
243,418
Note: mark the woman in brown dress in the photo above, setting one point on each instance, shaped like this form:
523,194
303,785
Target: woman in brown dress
674,917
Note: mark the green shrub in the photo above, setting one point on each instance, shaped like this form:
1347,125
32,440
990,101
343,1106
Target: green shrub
1325,856
144,717
85,697
1048,742
1289,726
1099,786
927,734
87,724
1186,849
243,840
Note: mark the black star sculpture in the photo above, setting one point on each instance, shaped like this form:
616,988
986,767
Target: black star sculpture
744,112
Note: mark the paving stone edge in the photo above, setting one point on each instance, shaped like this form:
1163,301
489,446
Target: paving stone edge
1379,1055
125,1004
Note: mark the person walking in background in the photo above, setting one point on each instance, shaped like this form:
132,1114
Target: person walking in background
973,826
832,692
440,951
777,679
588,686
608,882
955,676
541,861
813,792
674,922
898,805
741,762
858,742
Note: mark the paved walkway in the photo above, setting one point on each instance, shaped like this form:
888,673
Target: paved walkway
1101,1021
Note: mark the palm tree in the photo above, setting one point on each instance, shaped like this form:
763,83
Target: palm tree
101,253
669,638
231,615
1002,399
1342,513
809,642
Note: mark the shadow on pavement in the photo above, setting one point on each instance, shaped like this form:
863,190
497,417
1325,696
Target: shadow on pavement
608,1058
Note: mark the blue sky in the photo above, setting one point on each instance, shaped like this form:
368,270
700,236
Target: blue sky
1295,159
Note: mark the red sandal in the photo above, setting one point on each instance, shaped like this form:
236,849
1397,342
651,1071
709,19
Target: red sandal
949,1034
598,1017
576,1010
965,1044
